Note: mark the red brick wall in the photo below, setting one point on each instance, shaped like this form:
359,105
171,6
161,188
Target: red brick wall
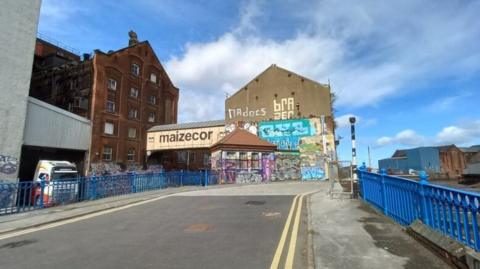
118,66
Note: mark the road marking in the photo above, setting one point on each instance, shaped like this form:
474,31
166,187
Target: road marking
76,219
281,243
293,239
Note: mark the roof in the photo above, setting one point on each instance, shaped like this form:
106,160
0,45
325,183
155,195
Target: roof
243,139
471,149
446,147
188,125
399,153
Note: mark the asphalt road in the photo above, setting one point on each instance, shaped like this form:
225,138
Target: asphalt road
233,231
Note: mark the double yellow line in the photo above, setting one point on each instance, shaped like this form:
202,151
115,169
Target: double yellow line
297,208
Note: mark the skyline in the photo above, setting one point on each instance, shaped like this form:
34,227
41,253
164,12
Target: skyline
408,71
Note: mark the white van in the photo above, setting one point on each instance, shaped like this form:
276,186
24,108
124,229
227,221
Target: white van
61,182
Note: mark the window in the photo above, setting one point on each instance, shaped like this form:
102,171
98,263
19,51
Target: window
110,106
132,132
133,113
255,161
112,84
181,156
107,153
134,92
243,160
153,78
152,99
131,155
136,69
109,128
151,117
80,102
206,159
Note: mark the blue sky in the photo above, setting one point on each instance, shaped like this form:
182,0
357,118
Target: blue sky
409,70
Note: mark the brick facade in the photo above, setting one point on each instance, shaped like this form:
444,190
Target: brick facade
123,93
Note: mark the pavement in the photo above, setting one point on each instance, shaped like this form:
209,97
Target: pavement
227,226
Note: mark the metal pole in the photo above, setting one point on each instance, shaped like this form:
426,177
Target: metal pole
369,158
354,148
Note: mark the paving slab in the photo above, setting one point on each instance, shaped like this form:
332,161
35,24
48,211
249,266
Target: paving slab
348,233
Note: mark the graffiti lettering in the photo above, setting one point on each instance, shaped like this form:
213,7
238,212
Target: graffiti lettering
248,177
238,112
287,167
8,164
312,173
284,109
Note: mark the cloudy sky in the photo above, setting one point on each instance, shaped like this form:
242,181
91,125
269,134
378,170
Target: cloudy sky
408,70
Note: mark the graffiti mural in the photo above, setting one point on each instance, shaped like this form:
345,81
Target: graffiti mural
8,164
268,165
286,134
105,168
252,176
312,173
287,167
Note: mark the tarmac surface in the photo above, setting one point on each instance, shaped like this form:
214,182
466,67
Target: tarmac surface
236,226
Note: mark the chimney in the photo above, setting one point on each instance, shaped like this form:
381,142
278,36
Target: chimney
133,38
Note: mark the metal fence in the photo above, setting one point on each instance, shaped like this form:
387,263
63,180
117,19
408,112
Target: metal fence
450,211
26,196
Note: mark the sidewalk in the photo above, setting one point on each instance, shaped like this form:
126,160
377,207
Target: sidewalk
347,233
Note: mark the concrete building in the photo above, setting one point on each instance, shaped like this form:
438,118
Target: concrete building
123,93
183,146
18,25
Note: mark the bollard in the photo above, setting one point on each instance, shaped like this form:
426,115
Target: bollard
383,173
423,199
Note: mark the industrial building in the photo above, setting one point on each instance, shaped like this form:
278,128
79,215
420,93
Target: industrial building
184,146
123,93
442,161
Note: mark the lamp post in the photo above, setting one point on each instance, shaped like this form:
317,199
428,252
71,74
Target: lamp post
354,149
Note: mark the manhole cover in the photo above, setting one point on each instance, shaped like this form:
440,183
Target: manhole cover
255,203
199,227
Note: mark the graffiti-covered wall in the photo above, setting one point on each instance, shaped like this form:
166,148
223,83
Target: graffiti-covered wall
305,137
243,167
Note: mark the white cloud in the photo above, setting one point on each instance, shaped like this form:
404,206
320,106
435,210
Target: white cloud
370,50
459,134
406,137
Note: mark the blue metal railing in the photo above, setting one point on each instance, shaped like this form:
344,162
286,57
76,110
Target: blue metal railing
26,196
450,211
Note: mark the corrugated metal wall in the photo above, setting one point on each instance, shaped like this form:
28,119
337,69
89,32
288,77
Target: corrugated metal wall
50,126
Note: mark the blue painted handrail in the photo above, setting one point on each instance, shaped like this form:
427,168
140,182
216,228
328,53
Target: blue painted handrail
26,196
450,211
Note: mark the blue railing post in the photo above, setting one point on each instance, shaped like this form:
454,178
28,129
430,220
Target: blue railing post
93,179
132,176
361,169
423,200
42,191
383,173
206,177
181,177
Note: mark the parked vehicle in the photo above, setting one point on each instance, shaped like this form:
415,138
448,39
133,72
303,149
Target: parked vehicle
56,183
